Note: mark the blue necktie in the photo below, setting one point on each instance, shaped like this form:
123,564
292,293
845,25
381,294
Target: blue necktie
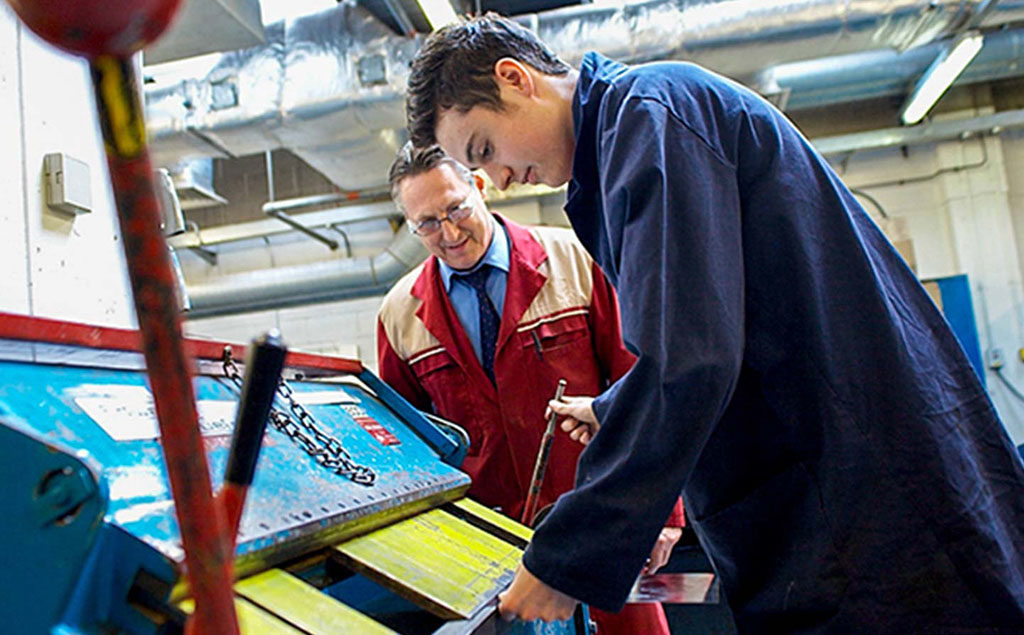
489,320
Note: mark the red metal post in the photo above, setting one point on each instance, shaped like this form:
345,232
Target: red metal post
202,525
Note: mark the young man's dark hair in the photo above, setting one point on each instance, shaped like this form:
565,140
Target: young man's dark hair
455,69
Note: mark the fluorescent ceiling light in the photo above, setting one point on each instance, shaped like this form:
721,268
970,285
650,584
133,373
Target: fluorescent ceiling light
940,75
438,12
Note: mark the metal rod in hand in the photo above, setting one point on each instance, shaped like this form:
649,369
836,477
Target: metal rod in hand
541,464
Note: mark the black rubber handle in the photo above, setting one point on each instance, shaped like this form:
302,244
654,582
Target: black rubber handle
264,361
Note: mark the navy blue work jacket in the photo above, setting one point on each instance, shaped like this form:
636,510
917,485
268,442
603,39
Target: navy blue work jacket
842,465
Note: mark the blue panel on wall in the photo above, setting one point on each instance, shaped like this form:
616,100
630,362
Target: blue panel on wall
959,311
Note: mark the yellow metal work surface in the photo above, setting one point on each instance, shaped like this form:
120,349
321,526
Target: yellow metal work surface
291,599
493,517
435,560
252,620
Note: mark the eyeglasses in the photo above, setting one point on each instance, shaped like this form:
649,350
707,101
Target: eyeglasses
433,225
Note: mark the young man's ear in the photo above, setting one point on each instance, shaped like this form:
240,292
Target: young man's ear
513,74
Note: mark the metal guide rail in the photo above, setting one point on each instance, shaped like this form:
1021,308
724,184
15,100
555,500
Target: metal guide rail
382,541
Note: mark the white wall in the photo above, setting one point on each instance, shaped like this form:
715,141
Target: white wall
54,265
345,329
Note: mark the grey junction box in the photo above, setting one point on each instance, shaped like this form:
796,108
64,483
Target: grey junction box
67,183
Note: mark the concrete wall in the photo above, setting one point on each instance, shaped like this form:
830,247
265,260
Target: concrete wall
53,265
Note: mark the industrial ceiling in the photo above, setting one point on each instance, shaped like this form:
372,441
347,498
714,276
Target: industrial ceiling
329,87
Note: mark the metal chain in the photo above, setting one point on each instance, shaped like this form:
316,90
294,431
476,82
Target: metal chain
304,432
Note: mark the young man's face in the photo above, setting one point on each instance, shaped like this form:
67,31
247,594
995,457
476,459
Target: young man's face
527,142
436,194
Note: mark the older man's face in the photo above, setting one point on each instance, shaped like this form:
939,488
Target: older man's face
436,194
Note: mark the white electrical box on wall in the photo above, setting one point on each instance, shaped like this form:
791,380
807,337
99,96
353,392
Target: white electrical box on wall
67,184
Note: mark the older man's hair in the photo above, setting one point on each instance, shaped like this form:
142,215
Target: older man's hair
455,69
412,160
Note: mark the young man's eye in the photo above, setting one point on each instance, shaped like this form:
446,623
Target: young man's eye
486,152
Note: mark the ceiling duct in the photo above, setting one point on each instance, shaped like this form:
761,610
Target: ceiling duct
326,86
193,182
740,37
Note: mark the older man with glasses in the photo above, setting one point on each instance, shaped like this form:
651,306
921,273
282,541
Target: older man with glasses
483,330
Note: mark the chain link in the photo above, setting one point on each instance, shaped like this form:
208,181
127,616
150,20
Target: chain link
304,432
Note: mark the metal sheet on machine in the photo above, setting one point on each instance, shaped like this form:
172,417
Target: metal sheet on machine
675,588
292,500
435,560
301,604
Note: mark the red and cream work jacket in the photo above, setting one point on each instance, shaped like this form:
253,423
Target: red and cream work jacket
560,320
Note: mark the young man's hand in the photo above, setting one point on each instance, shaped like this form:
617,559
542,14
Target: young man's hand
530,599
580,421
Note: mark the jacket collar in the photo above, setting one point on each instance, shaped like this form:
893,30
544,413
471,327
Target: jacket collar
583,202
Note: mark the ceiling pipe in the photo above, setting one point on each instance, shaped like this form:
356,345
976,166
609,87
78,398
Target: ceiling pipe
324,281
931,132
876,74
1004,12
338,198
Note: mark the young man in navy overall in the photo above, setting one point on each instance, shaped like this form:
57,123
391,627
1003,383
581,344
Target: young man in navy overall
840,461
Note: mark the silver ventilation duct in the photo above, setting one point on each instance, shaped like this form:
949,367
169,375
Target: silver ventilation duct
326,86
740,37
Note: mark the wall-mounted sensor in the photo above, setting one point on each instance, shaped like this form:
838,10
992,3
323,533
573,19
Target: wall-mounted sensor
67,184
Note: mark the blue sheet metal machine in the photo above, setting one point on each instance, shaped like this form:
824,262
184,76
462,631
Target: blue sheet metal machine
356,521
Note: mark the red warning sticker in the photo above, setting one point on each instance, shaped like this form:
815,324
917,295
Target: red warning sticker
371,425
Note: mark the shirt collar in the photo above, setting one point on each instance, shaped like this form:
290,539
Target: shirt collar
497,255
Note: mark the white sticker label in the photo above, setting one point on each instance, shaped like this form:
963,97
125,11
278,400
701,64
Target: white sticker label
322,397
129,414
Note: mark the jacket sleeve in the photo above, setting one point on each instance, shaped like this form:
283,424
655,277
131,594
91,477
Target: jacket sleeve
605,324
672,213
396,372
